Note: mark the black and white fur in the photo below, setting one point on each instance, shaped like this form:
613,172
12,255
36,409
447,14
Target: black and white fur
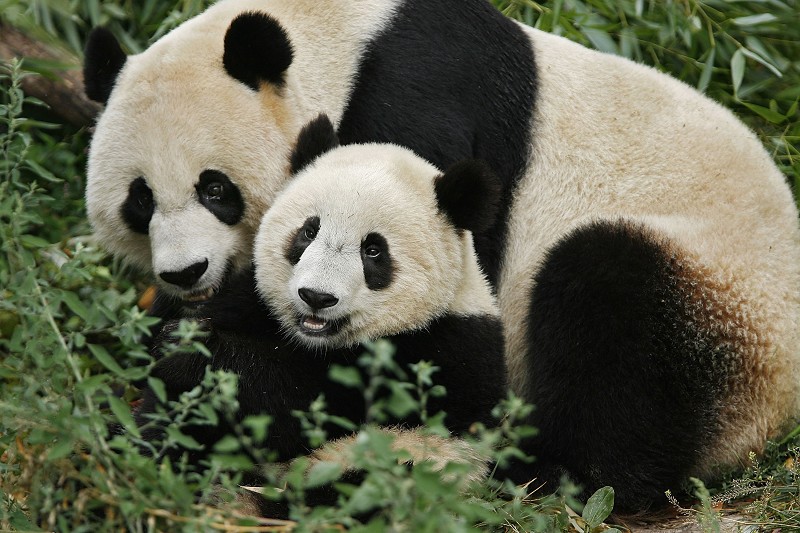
646,258
390,257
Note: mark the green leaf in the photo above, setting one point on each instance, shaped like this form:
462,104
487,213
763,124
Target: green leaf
186,441
754,20
365,498
123,413
92,383
708,69
347,376
737,70
598,507
227,444
157,386
61,449
400,403
766,113
793,109
755,57
208,413
33,242
258,425
438,391
75,304
601,40
42,172
102,355
322,473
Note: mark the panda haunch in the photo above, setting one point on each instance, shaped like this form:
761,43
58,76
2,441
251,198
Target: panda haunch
406,272
686,319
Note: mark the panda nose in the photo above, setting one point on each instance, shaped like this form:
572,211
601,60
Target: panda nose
188,276
317,300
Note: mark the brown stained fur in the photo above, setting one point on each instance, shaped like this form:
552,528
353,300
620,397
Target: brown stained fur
744,362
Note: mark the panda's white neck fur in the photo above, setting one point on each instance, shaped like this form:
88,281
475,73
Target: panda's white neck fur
473,295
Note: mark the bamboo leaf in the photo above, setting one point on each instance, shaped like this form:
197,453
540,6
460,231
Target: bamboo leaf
755,57
755,20
708,69
737,70
766,113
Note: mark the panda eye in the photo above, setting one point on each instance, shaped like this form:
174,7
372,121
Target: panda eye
301,239
372,251
139,206
145,201
217,193
213,191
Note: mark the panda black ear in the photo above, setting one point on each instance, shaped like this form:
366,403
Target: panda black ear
316,138
257,49
469,194
103,59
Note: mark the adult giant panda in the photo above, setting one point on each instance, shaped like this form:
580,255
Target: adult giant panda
332,272
646,258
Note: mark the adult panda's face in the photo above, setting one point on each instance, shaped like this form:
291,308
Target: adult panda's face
356,248
178,189
189,152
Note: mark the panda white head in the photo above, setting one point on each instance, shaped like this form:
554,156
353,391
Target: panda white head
192,146
371,240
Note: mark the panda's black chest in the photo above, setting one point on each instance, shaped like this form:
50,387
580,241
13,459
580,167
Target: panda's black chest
279,380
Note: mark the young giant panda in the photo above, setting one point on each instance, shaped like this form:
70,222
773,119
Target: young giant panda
646,257
366,242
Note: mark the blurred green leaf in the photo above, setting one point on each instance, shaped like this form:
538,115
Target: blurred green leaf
598,507
754,20
123,413
768,114
737,70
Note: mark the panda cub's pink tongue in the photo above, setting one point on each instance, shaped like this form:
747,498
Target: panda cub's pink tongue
314,324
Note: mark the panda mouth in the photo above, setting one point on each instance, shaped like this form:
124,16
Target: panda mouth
196,298
315,326
200,297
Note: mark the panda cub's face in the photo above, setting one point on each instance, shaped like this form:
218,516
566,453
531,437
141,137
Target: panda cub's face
356,248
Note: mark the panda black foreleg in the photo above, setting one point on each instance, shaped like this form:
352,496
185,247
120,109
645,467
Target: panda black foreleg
469,352
621,373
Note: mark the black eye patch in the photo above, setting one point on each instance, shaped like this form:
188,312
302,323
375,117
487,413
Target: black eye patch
300,240
219,195
378,265
137,210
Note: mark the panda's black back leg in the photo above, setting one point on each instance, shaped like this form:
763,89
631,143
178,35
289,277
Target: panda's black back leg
620,369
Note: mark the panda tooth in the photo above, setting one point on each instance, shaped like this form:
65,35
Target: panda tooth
314,323
201,296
